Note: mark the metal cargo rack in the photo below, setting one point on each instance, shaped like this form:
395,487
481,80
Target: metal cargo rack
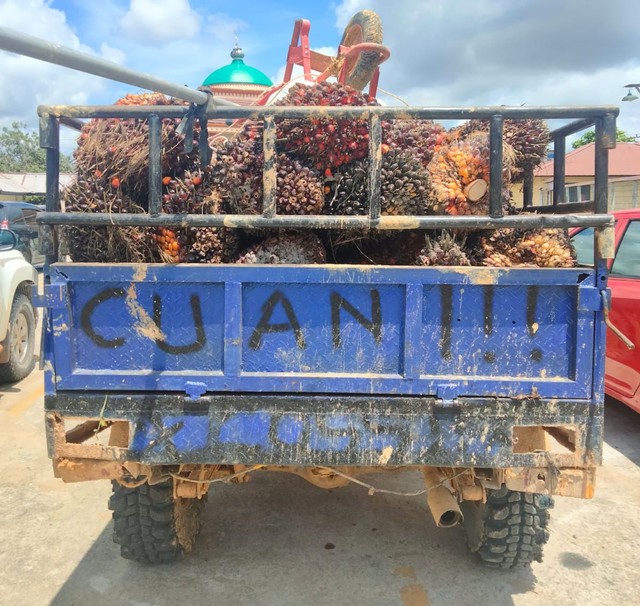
203,107
603,117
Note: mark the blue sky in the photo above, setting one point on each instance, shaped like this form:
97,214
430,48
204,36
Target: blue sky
443,52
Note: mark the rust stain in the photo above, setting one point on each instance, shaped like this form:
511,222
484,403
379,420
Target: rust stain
140,272
398,222
143,324
414,595
384,457
58,329
479,275
606,242
405,572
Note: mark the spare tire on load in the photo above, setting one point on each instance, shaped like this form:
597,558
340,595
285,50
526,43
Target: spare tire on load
364,26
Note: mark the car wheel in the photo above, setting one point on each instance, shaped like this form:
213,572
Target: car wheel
151,525
510,529
20,341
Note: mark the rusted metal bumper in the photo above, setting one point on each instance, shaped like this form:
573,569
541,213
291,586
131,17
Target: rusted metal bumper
532,445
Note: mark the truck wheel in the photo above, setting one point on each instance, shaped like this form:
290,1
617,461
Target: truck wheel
21,341
364,26
510,529
150,525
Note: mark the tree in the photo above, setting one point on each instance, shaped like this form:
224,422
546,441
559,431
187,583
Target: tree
590,137
20,151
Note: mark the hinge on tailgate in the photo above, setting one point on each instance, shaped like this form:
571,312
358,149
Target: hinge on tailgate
54,296
447,392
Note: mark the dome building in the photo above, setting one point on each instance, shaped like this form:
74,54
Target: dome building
238,82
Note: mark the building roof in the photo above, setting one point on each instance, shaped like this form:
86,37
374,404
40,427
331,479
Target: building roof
29,184
237,72
624,161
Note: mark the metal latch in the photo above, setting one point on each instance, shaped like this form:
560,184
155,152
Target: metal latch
606,306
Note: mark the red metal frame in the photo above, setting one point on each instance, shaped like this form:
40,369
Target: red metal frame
300,53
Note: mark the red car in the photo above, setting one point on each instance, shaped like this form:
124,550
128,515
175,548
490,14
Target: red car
622,369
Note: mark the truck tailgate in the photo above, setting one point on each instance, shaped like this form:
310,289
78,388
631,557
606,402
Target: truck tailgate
445,332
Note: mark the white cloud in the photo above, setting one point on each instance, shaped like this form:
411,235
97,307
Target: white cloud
491,52
25,83
223,28
112,54
346,9
160,21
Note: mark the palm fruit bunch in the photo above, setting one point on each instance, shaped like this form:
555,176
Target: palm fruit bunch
423,138
539,247
443,249
404,186
237,176
196,244
497,248
109,244
383,248
323,142
236,173
548,247
529,139
116,151
112,163
90,194
171,245
481,207
194,194
286,248
212,245
194,191
454,169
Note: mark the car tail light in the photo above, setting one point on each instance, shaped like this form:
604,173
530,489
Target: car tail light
4,224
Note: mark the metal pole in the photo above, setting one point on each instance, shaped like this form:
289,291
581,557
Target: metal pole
559,150
375,164
31,46
155,165
495,166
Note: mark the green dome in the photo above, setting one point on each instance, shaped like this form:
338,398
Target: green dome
237,73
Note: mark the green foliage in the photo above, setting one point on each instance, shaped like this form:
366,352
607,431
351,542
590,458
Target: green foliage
20,151
590,137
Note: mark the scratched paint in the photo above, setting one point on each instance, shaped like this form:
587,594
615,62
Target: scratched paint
331,330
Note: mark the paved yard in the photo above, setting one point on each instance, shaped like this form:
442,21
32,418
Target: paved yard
265,542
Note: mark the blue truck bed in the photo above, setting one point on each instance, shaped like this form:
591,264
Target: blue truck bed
445,332
311,365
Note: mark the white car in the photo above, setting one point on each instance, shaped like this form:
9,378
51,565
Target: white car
17,317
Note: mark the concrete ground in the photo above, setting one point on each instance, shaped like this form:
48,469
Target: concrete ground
280,541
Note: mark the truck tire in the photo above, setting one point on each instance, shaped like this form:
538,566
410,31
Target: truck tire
364,26
150,525
510,529
20,342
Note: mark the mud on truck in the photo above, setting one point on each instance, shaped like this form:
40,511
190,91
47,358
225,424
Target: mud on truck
167,375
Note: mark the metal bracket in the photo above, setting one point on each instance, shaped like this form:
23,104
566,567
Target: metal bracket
195,389
589,299
185,128
53,296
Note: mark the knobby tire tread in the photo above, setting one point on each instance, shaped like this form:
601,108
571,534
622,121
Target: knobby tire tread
143,522
515,528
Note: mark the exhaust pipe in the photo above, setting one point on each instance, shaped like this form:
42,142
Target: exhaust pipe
442,504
